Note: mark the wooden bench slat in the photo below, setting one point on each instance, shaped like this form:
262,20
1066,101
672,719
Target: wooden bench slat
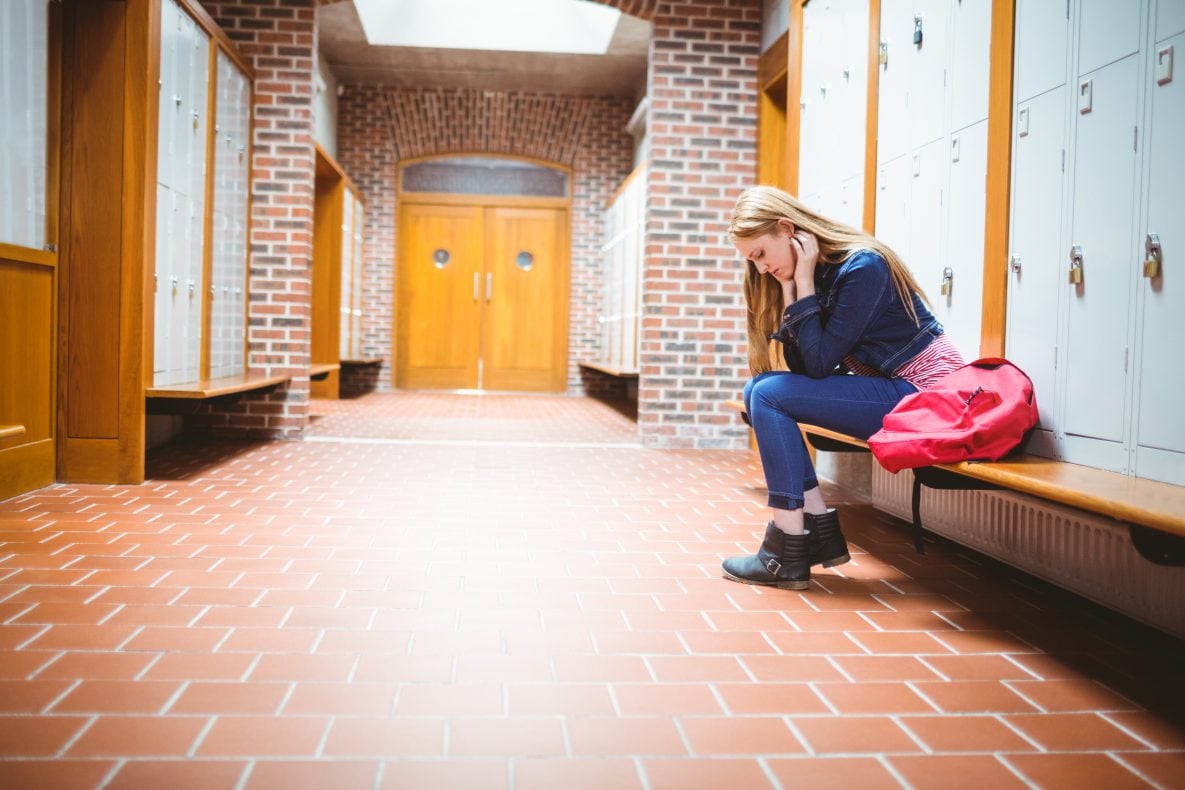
363,361
214,388
625,373
322,368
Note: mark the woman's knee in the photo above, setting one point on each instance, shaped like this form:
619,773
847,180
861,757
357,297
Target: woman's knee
769,390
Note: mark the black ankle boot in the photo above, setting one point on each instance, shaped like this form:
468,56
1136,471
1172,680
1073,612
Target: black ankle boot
780,562
827,546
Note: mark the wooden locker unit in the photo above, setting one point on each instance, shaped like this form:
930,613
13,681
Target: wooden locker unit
29,260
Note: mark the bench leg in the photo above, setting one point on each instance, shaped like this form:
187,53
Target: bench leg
918,532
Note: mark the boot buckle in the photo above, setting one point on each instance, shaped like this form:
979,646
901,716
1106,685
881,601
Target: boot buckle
773,566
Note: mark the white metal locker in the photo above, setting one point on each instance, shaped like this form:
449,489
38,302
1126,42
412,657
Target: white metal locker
892,126
163,299
609,262
851,90
929,169
1160,432
1170,19
1042,44
1102,227
813,108
926,99
960,311
1037,272
892,205
1108,31
851,201
970,56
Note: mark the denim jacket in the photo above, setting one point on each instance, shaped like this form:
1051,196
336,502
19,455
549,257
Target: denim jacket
854,310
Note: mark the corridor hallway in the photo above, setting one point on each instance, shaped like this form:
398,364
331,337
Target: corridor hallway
447,591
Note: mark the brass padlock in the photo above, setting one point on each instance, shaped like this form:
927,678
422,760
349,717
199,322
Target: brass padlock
1152,254
948,276
1075,265
1075,277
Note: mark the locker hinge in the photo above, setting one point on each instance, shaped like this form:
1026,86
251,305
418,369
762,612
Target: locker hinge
1055,357
1067,9
1136,138
1125,350
1063,160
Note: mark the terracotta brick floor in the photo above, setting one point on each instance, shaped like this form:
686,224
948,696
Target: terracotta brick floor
495,592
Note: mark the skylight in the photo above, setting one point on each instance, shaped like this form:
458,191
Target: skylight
556,26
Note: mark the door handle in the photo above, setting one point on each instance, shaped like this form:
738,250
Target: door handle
476,279
489,286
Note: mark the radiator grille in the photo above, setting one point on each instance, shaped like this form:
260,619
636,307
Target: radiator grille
1089,555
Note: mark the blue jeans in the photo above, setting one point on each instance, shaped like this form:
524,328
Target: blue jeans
777,400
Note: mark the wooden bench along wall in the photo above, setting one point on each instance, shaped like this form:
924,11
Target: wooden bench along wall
1153,512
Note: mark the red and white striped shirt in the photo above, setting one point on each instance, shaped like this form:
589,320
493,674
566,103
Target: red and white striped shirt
934,362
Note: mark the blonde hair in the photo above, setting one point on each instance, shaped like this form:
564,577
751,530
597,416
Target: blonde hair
757,213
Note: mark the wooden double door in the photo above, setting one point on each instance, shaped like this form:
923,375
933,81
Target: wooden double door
483,297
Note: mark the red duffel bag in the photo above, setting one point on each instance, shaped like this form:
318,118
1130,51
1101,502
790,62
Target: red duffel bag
980,412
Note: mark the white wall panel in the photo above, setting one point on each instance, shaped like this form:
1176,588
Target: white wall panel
1160,429
960,312
1102,224
1038,277
1042,39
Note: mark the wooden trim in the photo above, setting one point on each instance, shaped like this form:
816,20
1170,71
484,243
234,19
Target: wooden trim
217,34
335,166
215,388
999,167
18,254
53,137
141,121
637,172
509,201
208,225
794,95
774,63
24,467
871,112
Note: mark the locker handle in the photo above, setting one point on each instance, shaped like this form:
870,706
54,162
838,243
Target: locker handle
489,286
476,286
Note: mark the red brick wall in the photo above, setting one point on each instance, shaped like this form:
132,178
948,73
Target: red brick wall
703,94
278,38
378,127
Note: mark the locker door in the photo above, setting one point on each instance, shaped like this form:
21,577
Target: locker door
960,311
1170,19
179,256
356,317
347,286
971,33
1037,274
1102,225
813,107
927,72
1160,445
851,201
892,126
851,89
163,300
929,169
1042,33
1107,32
892,205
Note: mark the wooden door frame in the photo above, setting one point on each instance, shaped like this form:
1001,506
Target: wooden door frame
563,204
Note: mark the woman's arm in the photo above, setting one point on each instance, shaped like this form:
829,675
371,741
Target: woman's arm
863,292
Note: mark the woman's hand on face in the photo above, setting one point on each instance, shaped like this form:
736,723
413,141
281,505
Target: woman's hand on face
806,248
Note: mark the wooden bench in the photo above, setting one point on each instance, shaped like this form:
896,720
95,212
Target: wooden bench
1153,512
362,361
621,373
321,371
188,397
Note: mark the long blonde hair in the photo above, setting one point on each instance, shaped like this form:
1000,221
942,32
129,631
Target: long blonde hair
757,212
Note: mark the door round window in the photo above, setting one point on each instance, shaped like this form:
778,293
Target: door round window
440,258
525,261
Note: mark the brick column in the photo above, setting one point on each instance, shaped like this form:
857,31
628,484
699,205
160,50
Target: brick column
703,121
279,39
